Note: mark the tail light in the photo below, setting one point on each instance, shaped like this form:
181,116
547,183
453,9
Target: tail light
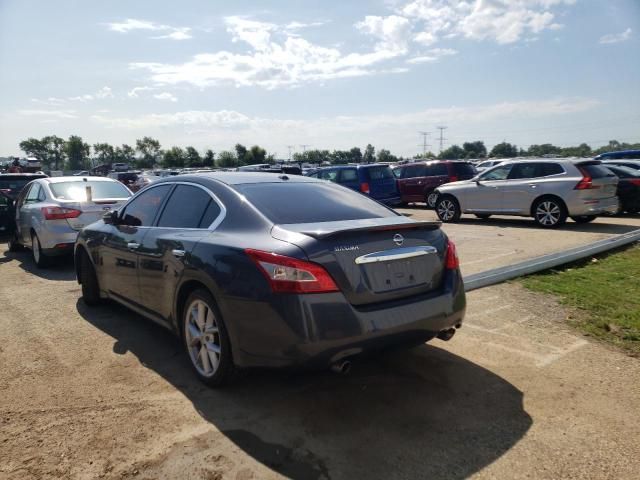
291,275
364,188
60,213
453,178
587,182
635,181
451,261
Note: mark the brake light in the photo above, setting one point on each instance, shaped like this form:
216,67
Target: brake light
635,181
453,178
451,261
60,213
587,182
364,188
291,275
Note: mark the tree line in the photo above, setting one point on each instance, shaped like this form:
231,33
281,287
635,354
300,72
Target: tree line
74,154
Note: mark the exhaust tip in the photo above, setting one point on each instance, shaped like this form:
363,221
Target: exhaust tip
341,368
447,334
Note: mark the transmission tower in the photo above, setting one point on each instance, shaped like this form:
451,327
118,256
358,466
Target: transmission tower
290,147
425,145
442,139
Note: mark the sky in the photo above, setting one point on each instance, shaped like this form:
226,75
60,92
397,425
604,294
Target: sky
329,74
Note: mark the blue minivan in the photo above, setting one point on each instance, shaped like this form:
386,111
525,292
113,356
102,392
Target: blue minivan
374,180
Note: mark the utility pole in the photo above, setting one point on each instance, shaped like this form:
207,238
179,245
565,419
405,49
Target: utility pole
304,147
424,145
442,139
290,147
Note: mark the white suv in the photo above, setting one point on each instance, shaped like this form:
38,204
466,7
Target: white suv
547,190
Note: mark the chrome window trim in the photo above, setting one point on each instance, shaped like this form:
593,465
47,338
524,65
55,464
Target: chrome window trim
215,224
395,254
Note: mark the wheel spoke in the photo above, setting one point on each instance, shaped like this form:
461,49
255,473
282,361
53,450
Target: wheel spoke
210,320
200,317
194,333
205,360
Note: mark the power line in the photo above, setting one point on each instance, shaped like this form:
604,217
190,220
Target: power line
442,139
425,136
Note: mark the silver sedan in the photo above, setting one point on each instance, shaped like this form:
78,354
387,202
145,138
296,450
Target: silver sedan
51,211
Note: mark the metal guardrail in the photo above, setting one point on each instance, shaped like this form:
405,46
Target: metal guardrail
545,262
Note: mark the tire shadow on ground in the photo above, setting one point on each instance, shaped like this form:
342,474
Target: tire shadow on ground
422,413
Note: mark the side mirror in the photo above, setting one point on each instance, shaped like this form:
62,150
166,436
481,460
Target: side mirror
110,217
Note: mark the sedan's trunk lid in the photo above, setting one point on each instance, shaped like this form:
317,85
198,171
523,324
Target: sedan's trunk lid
374,260
92,211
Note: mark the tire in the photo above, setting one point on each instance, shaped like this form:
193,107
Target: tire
39,258
206,341
431,200
89,281
584,218
448,209
483,216
549,212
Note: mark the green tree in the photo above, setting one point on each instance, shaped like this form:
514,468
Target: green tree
582,150
149,149
255,155
56,150
209,159
227,159
125,154
36,148
475,149
77,152
241,153
544,149
369,154
175,157
355,155
193,158
425,156
340,157
504,150
104,153
454,152
385,156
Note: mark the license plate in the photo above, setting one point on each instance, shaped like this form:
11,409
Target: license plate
398,274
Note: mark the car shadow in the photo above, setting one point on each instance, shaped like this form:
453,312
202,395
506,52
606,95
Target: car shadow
60,268
422,413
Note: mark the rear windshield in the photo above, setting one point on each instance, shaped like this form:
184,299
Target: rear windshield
77,190
596,170
379,173
15,184
464,169
624,172
284,203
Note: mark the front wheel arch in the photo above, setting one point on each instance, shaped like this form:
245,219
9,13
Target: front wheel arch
563,207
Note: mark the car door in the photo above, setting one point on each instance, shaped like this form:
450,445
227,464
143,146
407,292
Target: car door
485,195
408,184
523,186
29,210
119,261
166,248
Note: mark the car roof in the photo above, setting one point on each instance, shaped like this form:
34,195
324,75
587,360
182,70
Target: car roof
23,175
77,178
239,178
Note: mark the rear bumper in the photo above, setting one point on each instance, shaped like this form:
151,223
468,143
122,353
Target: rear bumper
318,330
54,233
593,207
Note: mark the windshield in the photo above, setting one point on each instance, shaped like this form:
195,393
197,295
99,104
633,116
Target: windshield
14,184
311,202
99,190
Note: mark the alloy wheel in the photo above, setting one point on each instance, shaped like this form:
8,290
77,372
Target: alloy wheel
432,198
35,248
202,337
446,210
548,213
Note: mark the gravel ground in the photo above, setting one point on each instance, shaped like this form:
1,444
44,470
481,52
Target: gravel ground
103,393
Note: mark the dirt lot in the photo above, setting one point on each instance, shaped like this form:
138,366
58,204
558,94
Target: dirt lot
500,241
103,393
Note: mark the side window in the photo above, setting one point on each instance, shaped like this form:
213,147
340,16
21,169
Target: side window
210,214
34,193
175,214
439,169
397,172
141,211
330,175
524,170
348,175
409,172
546,169
421,171
313,175
497,173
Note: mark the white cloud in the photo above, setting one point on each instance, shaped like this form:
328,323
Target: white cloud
433,55
133,93
615,37
51,101
49,114
393,32
275,59
131,24
104,92
293,26
165,96
503,21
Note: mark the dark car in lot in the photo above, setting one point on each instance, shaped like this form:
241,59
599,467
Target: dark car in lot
628,188
635,164
621,155
376,181
11,184
253,274
417,181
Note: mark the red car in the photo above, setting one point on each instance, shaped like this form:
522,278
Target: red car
417,181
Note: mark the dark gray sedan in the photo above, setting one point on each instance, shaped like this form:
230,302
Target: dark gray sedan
254,270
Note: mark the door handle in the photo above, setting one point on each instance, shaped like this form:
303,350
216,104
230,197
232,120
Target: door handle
178,253
133,245
533,186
